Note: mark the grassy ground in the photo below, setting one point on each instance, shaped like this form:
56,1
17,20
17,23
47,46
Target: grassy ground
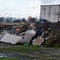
20,48
8,59
33,52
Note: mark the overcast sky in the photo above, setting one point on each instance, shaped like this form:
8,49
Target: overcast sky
22,8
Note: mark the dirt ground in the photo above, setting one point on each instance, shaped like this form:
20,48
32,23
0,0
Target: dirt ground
43,53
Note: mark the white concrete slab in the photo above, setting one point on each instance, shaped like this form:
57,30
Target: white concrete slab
13,39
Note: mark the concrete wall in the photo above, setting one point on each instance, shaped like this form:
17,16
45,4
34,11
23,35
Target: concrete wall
50,12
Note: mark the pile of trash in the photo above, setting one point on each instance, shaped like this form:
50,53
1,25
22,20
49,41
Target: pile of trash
30,32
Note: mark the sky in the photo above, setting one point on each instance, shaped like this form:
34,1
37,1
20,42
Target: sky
22,8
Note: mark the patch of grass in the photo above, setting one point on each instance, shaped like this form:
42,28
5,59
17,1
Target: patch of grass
9,59
20,48
25,51
52,59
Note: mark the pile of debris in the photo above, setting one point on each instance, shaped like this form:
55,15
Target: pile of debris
30,32
22,38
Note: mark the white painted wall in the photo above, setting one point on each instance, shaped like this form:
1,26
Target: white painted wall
50,12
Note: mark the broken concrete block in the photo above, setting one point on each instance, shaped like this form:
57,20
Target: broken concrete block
26,38
12,39
38,41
